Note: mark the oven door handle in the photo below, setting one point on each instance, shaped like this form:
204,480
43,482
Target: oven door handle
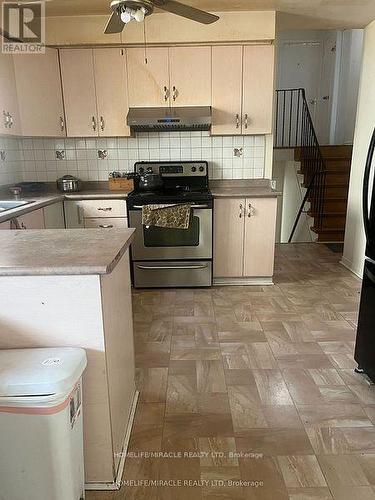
156,268
193,206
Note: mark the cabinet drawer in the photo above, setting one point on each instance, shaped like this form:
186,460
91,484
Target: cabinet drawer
107,223
103,208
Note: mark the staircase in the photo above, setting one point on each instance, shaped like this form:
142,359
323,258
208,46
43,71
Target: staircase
337,162
325,169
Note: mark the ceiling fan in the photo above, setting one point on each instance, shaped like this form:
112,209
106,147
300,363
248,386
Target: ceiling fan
124,11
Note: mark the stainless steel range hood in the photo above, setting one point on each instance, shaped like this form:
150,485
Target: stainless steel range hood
169,119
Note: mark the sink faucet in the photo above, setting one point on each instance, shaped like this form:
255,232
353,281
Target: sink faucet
16,191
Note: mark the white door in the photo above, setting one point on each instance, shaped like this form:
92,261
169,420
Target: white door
301,66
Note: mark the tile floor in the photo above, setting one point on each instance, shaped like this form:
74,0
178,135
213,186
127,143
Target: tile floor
254,388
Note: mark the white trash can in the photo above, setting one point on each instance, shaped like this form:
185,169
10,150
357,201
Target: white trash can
41,439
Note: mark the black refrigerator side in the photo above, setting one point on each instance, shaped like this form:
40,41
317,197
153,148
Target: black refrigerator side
365,341
367,204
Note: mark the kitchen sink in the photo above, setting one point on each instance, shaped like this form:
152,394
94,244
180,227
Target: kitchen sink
10,204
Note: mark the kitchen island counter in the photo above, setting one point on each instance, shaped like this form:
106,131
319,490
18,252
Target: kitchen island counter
72,288
56,252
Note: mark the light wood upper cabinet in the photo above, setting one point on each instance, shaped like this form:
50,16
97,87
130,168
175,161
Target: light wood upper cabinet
95,92
77,72
39,94
258,89
111,91
244,237
148,82
226,90
9,114
228,237
190,76
259,243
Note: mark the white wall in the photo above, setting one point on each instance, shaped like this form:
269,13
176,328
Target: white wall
348,67
354,248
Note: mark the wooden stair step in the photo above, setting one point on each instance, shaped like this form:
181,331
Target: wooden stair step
339,151
325,235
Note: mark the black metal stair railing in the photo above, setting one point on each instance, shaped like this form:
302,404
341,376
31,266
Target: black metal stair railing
294,128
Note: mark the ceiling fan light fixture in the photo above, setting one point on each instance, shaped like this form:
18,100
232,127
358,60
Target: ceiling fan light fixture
126,15
139,14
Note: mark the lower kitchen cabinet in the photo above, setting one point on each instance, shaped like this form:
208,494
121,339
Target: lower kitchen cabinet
54,216
32,220
244,239
95,214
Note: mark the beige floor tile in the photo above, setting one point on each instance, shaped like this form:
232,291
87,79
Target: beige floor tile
366,394
154,385
260,356
210,376
218,452
333,415
342,470
309,494
352,492
272,388
342,440
246,409
301,471
274,442
281,416
266,472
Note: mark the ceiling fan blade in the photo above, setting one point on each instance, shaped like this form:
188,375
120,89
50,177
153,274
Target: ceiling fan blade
114,24
186,11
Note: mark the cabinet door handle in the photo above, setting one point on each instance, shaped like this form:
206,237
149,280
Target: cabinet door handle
251,210
175,93
237,120
166,93
62,124
79,219
106,225
93,121
6,119
246,121
105,209
241,211
102,124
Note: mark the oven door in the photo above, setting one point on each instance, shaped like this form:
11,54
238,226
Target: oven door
158,243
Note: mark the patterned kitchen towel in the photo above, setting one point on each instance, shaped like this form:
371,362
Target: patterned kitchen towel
170,216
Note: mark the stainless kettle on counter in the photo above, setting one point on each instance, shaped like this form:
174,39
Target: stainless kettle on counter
146,181
69,184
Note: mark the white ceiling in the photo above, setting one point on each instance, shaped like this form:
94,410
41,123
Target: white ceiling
294,14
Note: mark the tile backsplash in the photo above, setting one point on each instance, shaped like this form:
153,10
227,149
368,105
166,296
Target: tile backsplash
229,157
11,166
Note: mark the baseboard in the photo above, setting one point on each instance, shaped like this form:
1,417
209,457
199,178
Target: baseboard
116,485
243,281
349,265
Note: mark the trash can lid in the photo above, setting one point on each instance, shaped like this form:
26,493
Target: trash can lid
40,371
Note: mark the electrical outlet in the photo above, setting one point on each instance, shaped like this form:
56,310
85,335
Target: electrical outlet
3,155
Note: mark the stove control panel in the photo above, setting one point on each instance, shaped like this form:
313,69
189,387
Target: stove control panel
174,169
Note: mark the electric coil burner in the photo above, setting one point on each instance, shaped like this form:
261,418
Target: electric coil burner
165,257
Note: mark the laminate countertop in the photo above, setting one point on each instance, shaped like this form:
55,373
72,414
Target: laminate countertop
42,199
62,252
247,188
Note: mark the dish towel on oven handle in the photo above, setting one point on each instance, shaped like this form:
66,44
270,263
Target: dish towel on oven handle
173,216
